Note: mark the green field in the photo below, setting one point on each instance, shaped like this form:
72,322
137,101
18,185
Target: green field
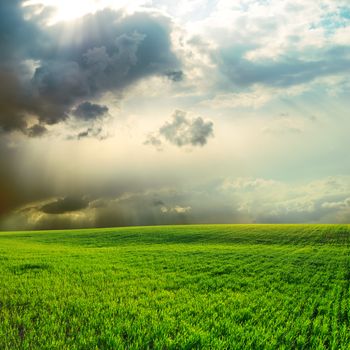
177,287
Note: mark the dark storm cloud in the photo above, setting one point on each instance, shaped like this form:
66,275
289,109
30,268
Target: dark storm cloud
90,111
141,209
280,72
47,71
9,196
36,130
20,184
64,205
206,203
19,42
148,206
18,37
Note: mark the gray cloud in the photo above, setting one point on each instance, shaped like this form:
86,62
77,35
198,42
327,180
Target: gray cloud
14,31
183,131
92,132
36,130
343,204
90,111
19,42
158,202
96,132
84,134
286,71
154,140
114,51
175,75
244,200
64,205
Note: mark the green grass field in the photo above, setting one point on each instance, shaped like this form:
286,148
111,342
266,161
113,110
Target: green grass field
177,287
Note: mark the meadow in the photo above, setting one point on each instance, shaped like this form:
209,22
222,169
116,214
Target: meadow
176,287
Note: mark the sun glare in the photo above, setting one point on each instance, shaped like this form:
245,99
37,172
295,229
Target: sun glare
66,10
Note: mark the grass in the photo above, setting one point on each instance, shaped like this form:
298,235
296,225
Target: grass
177,287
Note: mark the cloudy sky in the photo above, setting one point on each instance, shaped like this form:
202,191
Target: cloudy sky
148,112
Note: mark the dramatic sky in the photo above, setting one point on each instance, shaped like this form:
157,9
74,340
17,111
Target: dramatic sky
150,112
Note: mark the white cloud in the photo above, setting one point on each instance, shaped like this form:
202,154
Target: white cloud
176,209
284,124
266,199
255,97
342,36
337,205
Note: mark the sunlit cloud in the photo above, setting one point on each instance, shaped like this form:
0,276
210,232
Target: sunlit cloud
67,10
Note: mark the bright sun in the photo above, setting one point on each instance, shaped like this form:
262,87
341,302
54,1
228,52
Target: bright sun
66,10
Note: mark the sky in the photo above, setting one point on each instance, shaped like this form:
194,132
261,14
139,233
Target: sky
148,112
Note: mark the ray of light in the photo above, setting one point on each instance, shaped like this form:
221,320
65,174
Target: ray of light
68,10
